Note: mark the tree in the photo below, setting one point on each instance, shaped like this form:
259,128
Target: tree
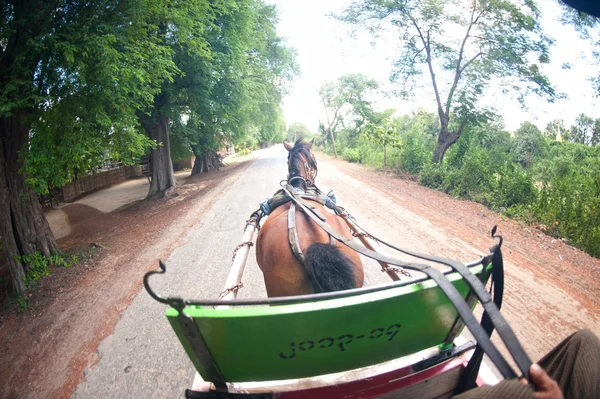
179,26
297,131
349,90
498,40
238,89
586,131
555,130
588,27
528,142
70,72
382,130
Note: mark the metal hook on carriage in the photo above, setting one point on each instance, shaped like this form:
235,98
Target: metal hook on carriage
498,236
495,250
162,270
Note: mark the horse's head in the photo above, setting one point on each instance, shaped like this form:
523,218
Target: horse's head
302,165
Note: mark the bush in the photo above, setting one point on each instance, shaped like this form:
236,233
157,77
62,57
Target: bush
39,265
368,153
569,200
415,155
527,176
513,187
351,155
522,212
434,176
473,179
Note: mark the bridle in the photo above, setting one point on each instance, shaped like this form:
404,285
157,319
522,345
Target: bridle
311,172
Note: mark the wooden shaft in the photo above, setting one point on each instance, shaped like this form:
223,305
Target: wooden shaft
369,243
239,262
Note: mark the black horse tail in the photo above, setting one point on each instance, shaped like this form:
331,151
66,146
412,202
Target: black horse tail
328,269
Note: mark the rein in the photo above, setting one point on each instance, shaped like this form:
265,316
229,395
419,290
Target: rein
497,320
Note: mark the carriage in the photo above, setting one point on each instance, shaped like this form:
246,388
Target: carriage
401,339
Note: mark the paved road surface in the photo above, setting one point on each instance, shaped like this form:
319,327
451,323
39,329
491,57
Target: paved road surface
144,359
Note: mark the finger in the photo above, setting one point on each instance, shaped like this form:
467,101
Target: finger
547,387
524,381
539,377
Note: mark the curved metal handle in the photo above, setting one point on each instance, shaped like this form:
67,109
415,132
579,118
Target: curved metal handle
499,237
162,270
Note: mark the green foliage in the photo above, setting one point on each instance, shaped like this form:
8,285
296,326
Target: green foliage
540,181
37,265
528,143
569,204
352,155
348,105
434,176
513,187
100,66
585,131
232,91
474,179
415,152
297,131
81,74
21,304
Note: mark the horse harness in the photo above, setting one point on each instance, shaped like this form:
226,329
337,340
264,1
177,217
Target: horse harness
312,193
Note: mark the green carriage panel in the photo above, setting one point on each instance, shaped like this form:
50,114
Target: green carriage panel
276,342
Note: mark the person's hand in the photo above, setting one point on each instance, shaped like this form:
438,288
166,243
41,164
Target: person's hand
547,388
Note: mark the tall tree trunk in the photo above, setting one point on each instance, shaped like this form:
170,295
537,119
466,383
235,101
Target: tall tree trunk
445,140
23,226
329,127
333,142
205,162
163,181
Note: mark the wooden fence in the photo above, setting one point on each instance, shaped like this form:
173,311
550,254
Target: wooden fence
87,184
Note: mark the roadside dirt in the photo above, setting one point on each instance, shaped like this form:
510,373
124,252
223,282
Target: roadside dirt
46,349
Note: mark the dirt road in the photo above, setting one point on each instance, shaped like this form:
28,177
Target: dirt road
551,288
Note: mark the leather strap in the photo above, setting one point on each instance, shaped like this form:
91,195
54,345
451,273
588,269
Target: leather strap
468,379
293,234
504,330
506,333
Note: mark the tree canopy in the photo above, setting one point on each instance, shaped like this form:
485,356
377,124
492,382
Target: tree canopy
83,82
462,45
347,103
235,89
73,75
298,130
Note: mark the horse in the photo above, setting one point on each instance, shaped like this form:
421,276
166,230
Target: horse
328,265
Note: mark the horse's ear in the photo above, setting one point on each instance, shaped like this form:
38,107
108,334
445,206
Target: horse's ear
287,145
310,144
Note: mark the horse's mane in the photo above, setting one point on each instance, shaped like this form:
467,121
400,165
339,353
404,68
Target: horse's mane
300,147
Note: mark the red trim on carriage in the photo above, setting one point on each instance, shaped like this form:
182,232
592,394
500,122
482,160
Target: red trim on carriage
394,381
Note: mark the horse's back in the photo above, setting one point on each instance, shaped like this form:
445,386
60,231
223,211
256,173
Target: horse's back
284,275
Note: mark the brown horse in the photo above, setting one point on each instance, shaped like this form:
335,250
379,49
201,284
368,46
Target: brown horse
327,266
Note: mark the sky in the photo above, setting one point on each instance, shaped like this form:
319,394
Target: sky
326,51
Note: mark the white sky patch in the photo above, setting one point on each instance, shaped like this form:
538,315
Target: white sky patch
326,51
